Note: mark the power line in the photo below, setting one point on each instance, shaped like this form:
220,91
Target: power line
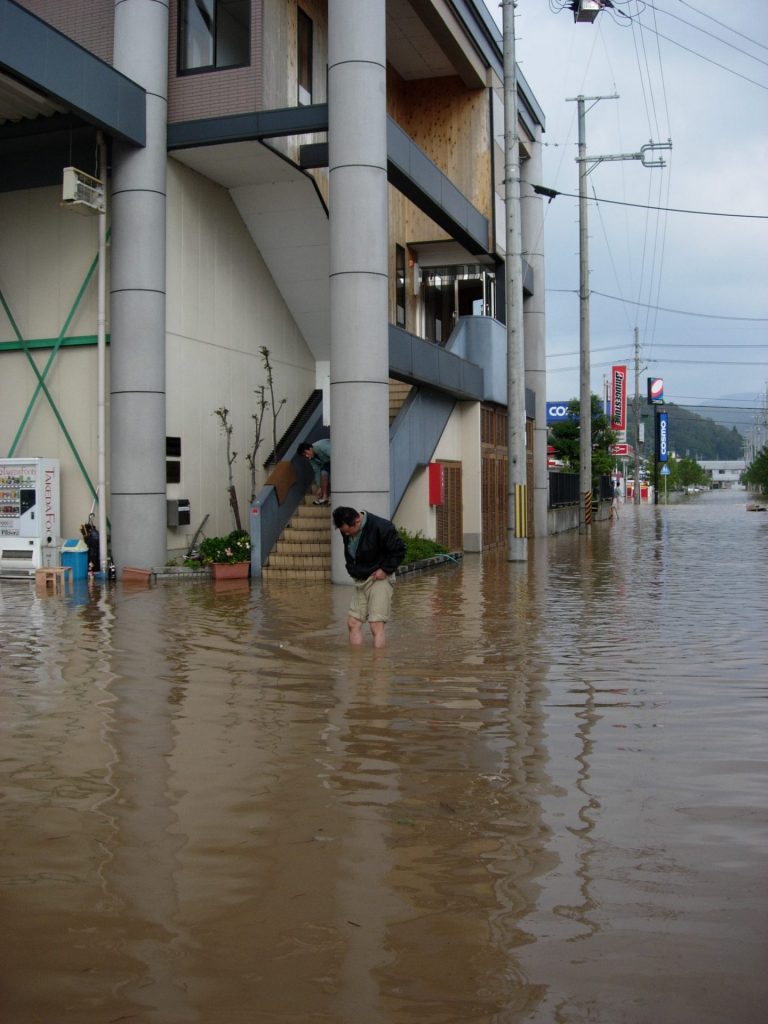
722,24
684,312
723,67
722,408
722,398
673,344
709,362
665,309
698,28
552,193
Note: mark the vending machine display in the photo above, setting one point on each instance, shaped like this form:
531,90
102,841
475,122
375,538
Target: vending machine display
30,530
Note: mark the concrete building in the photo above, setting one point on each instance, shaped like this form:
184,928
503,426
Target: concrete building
724,474
304,208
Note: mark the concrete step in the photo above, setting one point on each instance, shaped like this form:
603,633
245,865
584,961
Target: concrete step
272,575
307,534
289,561
303,551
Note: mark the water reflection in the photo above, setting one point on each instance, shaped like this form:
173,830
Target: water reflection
542,801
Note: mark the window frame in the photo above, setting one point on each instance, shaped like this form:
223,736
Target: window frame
401,291
204,69
305,39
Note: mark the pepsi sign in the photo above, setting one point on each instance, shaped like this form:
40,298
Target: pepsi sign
655,390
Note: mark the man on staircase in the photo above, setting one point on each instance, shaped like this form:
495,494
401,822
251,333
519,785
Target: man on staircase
319,454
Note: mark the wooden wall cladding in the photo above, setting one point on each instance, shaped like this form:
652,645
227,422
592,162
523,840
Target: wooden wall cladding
452,124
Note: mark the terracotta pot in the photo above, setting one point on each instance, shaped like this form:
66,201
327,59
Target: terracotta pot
231,570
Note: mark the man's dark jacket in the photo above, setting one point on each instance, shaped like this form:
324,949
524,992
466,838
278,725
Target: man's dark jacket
380,547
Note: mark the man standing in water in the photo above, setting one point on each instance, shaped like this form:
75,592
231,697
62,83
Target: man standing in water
373,549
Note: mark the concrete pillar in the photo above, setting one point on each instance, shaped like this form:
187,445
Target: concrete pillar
532,228
357,139
137,350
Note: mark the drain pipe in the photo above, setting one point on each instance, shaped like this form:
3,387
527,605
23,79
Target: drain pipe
101,339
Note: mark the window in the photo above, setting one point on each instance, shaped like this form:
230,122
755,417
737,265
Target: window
400,286
304,59
214,34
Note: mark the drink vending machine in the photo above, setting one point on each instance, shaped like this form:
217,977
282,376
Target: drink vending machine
30,523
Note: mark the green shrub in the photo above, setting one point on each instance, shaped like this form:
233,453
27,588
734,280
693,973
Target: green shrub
236,547
418,547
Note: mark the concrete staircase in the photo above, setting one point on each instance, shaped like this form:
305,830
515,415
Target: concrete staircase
304,549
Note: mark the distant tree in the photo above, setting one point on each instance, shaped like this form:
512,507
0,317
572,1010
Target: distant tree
756,473
686,473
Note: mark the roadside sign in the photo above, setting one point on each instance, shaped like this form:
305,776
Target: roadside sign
665,471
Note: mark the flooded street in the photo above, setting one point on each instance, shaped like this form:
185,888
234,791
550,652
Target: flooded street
544,801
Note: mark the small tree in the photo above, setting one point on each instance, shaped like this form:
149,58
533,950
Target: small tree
690,474
756,473
226,426
275,408
257,418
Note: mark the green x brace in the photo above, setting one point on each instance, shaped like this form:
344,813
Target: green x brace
41,385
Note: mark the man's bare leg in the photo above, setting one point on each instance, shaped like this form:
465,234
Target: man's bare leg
377,632
355,627
325,487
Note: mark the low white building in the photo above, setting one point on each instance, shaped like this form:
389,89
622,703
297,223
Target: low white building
726,473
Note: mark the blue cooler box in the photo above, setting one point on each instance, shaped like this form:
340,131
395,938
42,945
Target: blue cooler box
74,553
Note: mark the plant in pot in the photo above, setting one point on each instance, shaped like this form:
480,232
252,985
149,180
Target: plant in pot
229,557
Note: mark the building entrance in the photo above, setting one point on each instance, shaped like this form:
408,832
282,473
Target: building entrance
454,291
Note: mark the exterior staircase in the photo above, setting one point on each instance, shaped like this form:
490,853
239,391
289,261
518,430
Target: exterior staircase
303,551
398,392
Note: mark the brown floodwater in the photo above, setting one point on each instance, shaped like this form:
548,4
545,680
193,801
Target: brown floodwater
544,801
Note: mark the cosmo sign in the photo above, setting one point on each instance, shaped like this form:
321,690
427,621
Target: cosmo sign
557,412
663,422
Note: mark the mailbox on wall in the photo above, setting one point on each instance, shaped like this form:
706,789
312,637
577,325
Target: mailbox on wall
179,512
436,483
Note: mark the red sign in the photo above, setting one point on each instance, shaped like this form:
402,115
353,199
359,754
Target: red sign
618,398
436,478
619,449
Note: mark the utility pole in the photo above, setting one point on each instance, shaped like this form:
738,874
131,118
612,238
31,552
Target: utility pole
587,164
636,493
585,391
517,529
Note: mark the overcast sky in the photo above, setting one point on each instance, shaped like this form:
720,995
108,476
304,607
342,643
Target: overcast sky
713,269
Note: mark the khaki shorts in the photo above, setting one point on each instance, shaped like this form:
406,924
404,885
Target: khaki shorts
372,599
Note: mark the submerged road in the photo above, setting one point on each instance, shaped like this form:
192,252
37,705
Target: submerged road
544,801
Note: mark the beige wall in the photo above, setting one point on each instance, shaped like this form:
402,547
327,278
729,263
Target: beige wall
45,254
222,307
414,513
460,442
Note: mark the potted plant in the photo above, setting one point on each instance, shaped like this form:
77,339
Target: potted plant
229,557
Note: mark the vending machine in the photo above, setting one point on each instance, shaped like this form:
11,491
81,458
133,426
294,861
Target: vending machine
30,526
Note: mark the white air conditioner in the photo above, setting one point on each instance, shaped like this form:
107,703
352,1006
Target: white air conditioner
82,191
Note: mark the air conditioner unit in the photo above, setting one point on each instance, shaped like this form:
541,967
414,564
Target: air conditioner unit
82,191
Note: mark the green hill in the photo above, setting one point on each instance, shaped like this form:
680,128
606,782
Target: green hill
690,435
